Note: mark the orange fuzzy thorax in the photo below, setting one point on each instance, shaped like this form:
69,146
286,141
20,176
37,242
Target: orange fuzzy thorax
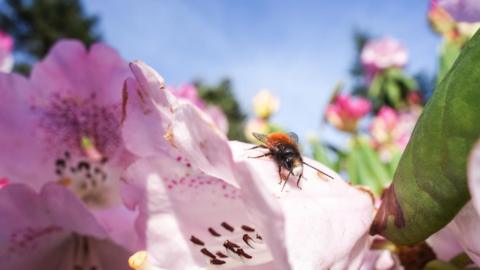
278,137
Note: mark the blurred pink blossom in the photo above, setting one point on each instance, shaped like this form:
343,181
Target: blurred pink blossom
6,47
52,229
4,182
462,10
215,206
62,125
345,111
190,92
380,54
391,130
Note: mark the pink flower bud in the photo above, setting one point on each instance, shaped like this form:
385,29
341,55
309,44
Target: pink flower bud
345,111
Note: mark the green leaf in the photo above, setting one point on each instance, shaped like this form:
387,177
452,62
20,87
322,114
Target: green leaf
365,168
393,93
462,260
429,185
376,86
319,152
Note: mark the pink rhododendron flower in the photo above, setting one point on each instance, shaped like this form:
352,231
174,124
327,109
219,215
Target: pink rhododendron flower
345,111
52,229
214,206
462,10
464,227
391,130
380,259
6,47
440,20
265,104
380,54
444,244
190,92
62,125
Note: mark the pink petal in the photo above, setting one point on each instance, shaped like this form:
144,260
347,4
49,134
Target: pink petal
325,224
202,143
383,53
465,228
70,70
380,259
182,202
119,223
152,84
190,93
474,176
19,155
466,223
218,117
147,110
37,224
6,43
444,244
462,10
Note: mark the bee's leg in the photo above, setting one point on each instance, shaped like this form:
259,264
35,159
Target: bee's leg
258,146
286,180
264,155
280,174
298,181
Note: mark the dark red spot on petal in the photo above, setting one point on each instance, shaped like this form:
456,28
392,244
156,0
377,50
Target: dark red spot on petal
217,262
196,241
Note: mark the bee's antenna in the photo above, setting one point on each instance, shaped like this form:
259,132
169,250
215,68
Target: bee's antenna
331,177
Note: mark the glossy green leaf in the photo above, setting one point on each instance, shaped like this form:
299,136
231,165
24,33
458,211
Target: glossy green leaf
429,185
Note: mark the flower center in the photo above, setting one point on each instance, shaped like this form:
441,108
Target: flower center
231,246
86,178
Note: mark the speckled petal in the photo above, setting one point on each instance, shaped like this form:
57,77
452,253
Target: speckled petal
182,202
202,143
325,224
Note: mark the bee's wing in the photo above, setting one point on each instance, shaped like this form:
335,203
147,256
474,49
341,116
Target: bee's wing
261,137
293,136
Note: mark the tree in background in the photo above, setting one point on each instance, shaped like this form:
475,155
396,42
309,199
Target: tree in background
36,25
222,96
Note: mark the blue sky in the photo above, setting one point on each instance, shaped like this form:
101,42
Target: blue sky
298,49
